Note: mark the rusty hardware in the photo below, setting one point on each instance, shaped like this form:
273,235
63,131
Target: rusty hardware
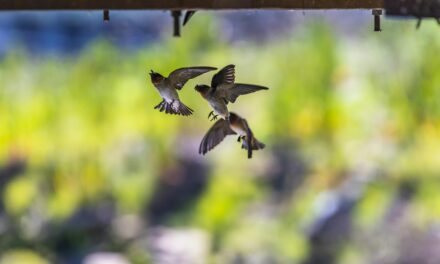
106,15
377,23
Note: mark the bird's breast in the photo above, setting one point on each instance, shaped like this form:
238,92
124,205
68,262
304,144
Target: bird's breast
218,106
168,93
238,129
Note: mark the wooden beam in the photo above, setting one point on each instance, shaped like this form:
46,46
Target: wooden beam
186,4
416,8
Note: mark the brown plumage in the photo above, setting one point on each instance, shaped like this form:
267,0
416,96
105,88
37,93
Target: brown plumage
168,87
224,90
222,128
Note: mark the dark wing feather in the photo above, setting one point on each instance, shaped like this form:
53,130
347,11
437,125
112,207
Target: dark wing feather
249,137
241,89
215,136
225,75
179,77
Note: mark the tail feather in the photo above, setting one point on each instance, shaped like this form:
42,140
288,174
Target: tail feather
255,145
249,151
159,105
184,110
168,109
176,108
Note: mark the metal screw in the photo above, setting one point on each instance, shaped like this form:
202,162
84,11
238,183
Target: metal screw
377,13
176,17
106,15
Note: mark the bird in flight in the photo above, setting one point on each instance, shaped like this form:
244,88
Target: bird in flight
167,88
222,128
224,90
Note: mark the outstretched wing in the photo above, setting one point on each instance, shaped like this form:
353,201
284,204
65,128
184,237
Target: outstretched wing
225,76
241,89
179,77
215,136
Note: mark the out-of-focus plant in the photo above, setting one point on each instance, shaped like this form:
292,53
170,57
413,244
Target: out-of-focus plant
88,131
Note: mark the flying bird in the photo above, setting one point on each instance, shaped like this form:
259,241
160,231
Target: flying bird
224,90
222,128
168,87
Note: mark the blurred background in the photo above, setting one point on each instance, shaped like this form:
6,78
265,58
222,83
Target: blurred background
91,173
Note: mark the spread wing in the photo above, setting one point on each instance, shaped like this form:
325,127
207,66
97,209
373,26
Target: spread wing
238,89
215,136
179,77
224,76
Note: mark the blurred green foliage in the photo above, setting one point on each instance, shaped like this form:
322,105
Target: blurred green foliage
87,129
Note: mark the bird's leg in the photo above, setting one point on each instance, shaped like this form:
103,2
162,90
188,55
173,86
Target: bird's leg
214,116
239,139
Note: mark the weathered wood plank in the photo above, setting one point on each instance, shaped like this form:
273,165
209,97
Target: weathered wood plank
186,4
416,8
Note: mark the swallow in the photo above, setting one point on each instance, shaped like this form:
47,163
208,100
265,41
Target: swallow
236,125
224,90
168,87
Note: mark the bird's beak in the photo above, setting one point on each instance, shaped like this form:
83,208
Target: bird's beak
151,72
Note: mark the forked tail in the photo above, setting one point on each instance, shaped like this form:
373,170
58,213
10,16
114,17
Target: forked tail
255,145
174,108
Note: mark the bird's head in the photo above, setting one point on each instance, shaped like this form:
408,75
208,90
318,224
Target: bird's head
156,77
233,118
202,89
